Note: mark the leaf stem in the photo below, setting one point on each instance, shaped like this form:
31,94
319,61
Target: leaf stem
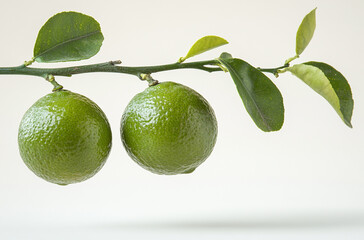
291,59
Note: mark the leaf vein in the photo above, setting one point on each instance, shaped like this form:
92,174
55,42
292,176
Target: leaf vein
68,41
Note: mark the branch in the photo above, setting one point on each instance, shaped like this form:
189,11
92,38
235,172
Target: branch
274,71
111,66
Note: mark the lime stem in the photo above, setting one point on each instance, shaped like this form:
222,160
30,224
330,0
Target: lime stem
51,79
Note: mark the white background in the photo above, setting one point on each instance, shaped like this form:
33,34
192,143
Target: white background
303,182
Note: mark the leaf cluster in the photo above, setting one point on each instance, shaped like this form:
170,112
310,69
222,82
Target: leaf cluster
72,36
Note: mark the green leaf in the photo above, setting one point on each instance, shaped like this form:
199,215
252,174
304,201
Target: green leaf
226,55
204,44
68,36
330,84
305,32
260,96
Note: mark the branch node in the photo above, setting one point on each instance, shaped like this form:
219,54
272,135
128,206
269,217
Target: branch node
27,63
116,62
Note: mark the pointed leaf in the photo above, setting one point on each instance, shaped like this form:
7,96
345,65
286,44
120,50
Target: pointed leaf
305,32
204,44
330,84
260,96
68,36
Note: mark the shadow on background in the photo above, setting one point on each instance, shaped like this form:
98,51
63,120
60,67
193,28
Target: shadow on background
291,222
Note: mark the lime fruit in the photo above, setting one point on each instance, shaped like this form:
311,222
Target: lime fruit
64,138
169,129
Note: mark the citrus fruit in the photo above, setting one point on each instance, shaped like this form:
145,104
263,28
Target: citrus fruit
64,138
169,129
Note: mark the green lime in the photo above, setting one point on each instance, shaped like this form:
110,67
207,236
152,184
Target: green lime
169,129
64,138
